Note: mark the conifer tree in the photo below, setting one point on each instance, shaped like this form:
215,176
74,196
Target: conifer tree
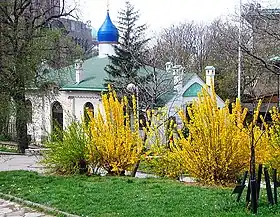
129,53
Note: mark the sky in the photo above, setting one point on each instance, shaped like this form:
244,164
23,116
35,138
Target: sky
158,14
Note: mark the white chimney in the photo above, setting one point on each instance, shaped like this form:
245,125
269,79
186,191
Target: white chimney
79,70
210,74
178,72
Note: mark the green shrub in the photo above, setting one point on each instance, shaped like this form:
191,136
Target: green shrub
67,150
8,149
4,137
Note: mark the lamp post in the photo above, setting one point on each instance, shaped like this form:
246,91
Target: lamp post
276,62
132,88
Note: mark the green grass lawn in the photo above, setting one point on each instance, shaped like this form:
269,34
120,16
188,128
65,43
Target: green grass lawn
124,196
8,149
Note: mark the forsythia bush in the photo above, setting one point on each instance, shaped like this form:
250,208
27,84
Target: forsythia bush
218,146
114,142
274,160
213,145
67,150
161,160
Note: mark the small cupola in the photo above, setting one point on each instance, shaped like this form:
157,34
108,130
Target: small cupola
108,32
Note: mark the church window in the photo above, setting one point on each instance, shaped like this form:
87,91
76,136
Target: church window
57,117
188,107
88,111
45,71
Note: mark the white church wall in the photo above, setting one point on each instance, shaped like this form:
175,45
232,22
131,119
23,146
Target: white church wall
72,103
62,98
34,128
178,101
80,98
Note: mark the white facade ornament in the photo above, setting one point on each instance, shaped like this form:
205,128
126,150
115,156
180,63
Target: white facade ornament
178,74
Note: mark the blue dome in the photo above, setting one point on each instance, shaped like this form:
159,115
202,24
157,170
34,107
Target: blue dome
108,31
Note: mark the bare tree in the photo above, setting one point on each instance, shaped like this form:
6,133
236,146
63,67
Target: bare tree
179,44
262,27
25,42
195,46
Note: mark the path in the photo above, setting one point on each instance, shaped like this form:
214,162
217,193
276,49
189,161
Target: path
11,209
20,162
31,163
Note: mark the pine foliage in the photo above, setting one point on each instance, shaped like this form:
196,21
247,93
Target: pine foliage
129,53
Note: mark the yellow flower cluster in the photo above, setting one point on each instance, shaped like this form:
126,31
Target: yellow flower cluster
161,160
218,146
115,143
274,161
215,150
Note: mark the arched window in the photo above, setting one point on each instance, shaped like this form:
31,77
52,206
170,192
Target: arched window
57,116
193,90
188,107
28,107
142,120
88,111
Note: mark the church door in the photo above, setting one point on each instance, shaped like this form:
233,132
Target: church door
57,116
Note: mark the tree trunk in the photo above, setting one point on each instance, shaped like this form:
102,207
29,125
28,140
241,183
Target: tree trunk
253,174
21,122
134,171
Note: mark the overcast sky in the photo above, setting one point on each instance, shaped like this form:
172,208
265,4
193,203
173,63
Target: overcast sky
160,13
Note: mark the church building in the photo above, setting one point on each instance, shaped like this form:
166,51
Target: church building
80,86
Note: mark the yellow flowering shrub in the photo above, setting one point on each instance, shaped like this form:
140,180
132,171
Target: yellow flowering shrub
114,142
161,160
218,146
274,160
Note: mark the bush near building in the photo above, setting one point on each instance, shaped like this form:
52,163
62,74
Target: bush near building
216,149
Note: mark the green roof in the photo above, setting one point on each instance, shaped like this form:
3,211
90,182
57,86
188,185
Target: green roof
171,94
193,90
92,77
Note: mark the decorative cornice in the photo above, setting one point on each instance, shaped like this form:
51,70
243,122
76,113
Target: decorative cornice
85,97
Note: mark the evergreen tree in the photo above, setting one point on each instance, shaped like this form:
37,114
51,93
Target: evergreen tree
129,53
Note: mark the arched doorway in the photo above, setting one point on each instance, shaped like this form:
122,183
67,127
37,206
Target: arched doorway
57,116
88,110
